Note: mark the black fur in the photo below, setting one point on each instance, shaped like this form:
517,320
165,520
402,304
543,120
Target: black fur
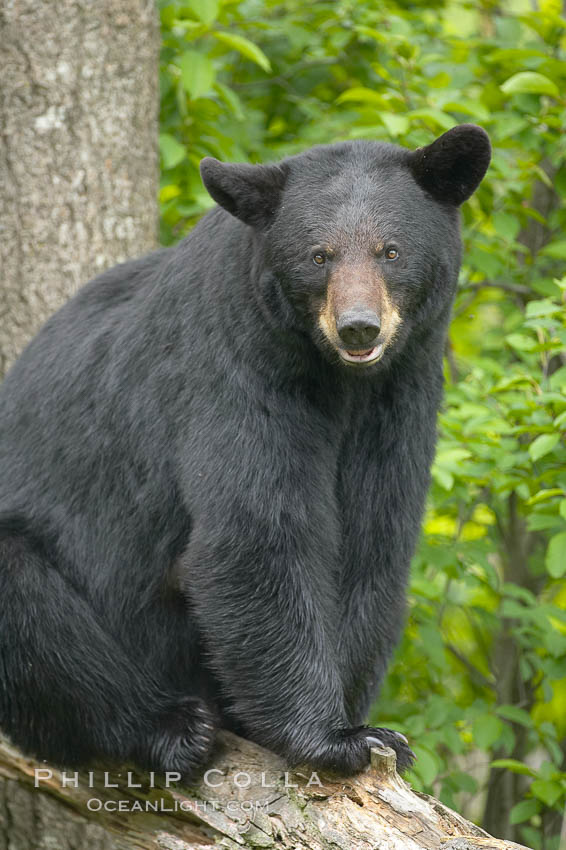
206,518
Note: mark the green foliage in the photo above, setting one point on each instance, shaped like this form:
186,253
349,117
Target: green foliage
486,575
480,676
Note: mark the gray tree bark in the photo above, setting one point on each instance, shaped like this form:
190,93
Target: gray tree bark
78,193
78,156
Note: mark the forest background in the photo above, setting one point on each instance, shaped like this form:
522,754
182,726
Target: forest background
479,680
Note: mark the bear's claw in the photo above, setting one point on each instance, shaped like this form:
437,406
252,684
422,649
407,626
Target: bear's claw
380,737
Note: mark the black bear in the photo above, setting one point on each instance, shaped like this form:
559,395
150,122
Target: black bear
213,464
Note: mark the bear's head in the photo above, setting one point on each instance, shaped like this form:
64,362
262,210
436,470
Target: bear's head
363,238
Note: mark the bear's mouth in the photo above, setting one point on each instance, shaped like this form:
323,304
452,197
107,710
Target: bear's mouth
362,358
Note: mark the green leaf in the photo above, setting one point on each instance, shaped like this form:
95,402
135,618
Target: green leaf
451,457
464,781
436,116
466,106
530,82
524,811
426,765
544,495
556,250
397,125
558,378
245,47
514,766
172,152
543,445
442,477
556,555
521,342
360,94
205,10
230,97
433,645
545,307
369,32
506,225
516,714
197,73
486,730
542,521
546,790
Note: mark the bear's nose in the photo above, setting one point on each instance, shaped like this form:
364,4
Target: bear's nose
358,327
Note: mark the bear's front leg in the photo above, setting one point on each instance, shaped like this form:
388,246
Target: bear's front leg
259,575
383,480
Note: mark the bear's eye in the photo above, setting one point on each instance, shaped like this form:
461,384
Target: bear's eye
319,259
391,253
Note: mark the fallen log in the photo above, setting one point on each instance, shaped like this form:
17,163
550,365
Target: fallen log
248,798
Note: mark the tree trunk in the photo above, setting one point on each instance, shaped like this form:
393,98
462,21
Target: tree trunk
78,161
248,798
78,193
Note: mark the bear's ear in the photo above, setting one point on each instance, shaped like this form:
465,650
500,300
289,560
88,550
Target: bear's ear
453,166
249,192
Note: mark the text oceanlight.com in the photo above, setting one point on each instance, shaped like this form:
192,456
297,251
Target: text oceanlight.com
231,807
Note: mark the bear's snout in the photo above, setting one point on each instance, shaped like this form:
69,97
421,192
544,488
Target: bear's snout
358,328
358,318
